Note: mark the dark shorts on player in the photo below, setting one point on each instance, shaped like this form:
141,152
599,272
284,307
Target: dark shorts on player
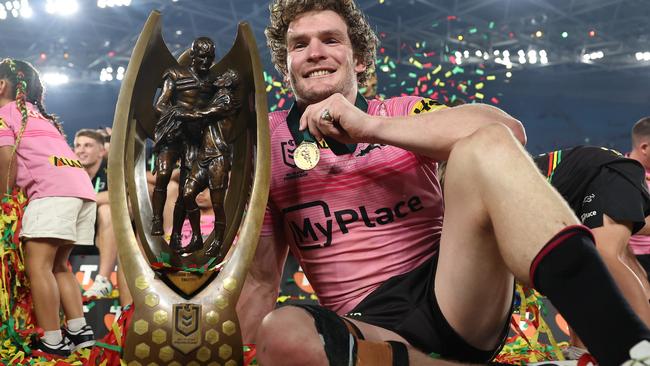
617,191
406,304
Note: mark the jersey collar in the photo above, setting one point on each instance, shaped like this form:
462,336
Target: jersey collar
338,148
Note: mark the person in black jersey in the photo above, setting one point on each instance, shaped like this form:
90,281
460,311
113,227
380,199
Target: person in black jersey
607,192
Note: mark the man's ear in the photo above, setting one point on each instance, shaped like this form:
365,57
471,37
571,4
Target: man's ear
4,85
359,65
644,146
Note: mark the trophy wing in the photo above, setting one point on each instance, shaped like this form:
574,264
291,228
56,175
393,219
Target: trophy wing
148,61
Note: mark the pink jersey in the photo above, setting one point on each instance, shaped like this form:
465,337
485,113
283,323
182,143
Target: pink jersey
355,220
640,244
207,224
46,166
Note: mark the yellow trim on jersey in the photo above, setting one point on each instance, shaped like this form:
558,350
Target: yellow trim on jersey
426,105
3,124
61,161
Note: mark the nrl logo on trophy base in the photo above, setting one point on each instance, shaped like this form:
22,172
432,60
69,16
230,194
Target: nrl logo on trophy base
210,118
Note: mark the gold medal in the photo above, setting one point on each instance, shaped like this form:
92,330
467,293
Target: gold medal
306,155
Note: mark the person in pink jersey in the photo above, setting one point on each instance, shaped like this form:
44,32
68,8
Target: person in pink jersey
207,219
398,282
640,243
34,155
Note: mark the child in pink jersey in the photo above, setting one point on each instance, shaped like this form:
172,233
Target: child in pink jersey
34,155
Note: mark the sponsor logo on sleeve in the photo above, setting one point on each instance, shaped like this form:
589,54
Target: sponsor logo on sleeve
426,105
61,161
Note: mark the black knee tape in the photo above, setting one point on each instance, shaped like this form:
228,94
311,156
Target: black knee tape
338,342
400,353
344,343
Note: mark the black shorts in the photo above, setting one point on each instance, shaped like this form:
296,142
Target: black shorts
406,304
618,191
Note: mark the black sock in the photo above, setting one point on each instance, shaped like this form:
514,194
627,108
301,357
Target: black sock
570,272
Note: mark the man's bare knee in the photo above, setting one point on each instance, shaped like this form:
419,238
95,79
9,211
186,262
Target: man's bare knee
469,154
299,339
486,139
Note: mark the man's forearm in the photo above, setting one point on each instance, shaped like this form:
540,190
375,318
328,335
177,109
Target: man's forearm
434,134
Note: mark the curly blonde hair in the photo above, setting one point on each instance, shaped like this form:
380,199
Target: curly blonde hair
364,41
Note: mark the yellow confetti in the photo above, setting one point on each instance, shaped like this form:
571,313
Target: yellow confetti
491,77
436,70
479,86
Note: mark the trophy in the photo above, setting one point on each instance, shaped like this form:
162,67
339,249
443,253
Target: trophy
184,299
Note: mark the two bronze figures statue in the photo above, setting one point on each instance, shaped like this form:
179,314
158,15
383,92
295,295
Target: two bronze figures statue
197,111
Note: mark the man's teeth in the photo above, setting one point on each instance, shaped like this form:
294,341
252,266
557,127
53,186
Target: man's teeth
319,73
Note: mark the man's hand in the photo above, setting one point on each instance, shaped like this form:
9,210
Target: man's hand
185,114
347,124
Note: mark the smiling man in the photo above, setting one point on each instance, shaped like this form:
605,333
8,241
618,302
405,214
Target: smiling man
396,282
89,148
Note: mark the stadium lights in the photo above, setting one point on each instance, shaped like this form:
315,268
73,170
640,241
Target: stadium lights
112,3
15,8
61,7
55,78
120,73
110,74
106,74
543,58
642,56
593,56
459,57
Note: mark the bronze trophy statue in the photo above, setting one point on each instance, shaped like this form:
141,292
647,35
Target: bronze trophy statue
190,100
184,89
212,117
212,166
